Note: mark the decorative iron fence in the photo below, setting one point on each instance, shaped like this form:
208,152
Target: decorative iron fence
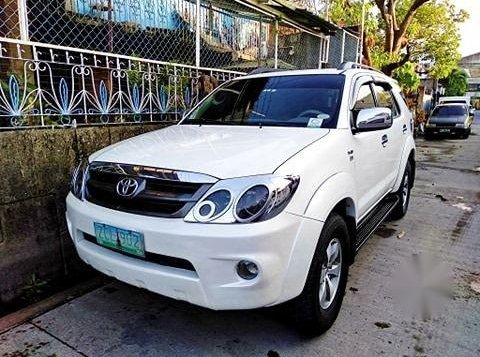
43,85
66,62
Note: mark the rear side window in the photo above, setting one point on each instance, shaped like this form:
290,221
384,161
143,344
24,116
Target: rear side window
385,99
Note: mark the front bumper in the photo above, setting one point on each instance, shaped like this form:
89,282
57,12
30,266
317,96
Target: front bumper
282,248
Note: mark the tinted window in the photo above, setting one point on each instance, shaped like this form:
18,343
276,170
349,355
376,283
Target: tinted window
311,100
450,110
364,98
385,99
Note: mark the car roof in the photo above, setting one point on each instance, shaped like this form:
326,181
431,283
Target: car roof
346,72
450,104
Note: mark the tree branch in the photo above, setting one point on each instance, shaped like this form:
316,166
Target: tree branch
389,68
367,57
393,13
409,17
381,7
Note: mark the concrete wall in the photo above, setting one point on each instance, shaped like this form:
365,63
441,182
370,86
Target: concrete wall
35,167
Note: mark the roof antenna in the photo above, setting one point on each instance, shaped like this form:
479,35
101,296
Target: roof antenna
260,125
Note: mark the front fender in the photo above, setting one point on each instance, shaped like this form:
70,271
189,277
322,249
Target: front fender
330,192
334,189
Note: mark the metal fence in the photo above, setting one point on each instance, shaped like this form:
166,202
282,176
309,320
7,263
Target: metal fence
223,33
51,85
343,47
105,61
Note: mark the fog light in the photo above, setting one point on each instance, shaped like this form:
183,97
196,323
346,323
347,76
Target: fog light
247,270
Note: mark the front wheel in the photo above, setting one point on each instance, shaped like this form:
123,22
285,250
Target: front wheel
317,307
403,194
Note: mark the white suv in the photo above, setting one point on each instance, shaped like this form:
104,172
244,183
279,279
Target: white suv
262,194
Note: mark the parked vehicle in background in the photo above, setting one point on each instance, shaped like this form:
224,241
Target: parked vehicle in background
449,120
458,100
262,194
455,100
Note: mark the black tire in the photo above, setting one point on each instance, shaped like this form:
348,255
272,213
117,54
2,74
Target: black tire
310,317
427,136
401,208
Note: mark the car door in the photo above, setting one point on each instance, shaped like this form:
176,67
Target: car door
396,135
370,153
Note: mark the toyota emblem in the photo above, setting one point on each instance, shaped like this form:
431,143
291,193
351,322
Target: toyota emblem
127,187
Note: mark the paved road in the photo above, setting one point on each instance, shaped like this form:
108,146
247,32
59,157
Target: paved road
414,290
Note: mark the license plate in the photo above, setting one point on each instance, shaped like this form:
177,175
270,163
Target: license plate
444,130
124,240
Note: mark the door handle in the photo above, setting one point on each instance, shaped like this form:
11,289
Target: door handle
384,140
404,129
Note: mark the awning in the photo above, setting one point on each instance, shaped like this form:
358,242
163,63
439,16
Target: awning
282,10
301,16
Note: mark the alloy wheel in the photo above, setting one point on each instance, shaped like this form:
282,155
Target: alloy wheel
405,191
330,275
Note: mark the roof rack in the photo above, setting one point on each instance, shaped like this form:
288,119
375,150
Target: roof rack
353,65
264,70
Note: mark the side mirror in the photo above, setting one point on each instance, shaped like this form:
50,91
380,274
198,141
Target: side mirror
373,119
471,111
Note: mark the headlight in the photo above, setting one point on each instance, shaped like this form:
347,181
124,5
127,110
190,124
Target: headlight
244,199
432,125
251,203
78,180
460,125
213,206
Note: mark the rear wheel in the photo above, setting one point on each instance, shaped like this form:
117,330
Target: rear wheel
317,307
403,194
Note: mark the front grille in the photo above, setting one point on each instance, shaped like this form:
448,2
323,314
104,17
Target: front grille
160,193
446,125
160,259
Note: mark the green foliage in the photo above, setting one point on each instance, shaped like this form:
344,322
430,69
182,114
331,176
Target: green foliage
349,13
407,78
456,83
432,35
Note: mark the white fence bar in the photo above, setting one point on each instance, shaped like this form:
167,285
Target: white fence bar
23,20
342,53
98,53
276,45
197,34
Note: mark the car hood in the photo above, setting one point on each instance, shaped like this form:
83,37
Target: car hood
448,119
220,151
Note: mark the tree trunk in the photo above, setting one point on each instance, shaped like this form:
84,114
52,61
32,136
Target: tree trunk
395,30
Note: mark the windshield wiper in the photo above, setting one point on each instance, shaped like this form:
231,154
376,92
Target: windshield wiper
202,121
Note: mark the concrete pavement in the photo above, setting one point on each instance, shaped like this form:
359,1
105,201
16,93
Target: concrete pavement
413,290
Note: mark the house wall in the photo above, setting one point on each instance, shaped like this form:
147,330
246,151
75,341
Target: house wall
35,167
472,65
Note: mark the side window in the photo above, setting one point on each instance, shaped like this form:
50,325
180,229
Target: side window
386,99
364,98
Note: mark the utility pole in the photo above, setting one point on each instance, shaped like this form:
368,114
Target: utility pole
362,31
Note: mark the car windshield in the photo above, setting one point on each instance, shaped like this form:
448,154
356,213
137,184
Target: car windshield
450,110
292,100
